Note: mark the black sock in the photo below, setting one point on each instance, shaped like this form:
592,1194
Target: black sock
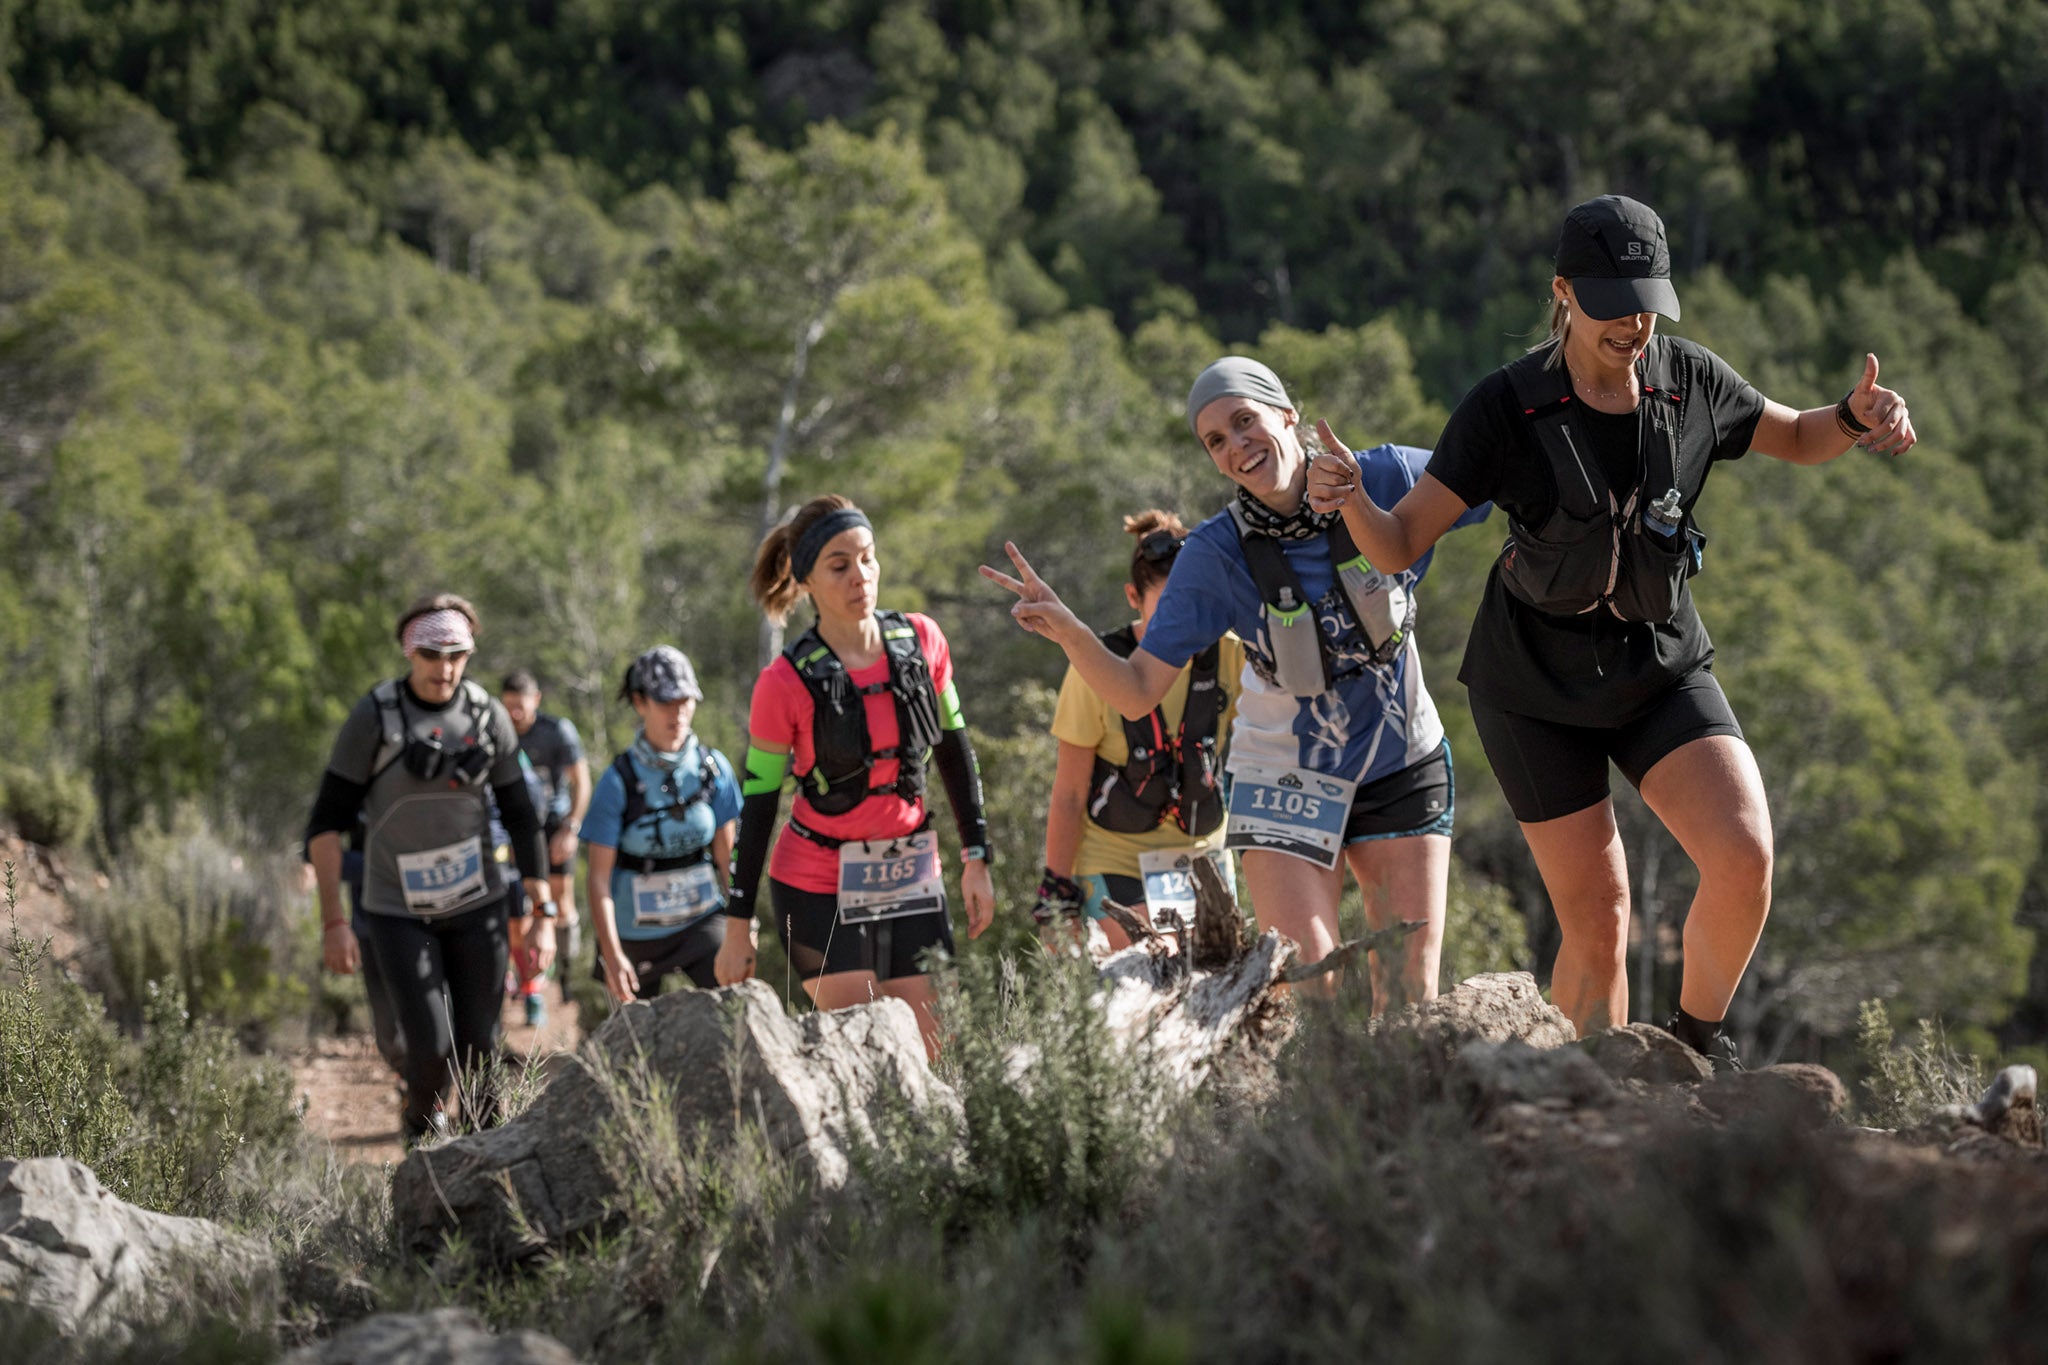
1697,1034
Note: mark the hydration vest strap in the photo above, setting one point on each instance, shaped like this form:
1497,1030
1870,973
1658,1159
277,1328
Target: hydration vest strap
804,831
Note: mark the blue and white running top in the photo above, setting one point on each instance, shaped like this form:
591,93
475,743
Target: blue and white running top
1375,720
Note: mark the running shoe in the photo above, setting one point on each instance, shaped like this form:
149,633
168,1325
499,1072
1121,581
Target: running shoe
536,1010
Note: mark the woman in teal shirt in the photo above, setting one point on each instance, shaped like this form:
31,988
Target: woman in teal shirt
658,838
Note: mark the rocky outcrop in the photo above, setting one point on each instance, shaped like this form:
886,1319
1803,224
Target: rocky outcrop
1796,1093
1644,1052
88,1263
1492,1008
723,1060
446,1336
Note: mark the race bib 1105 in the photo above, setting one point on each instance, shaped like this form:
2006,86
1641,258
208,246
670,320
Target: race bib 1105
1294,811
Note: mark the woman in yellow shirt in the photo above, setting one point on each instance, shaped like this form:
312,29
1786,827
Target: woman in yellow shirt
1135,802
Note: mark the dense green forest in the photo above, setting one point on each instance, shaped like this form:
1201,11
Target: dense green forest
307,308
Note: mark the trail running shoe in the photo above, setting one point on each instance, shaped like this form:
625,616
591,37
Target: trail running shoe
536,1010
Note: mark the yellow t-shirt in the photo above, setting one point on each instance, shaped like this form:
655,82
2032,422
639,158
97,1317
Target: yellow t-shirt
1085,719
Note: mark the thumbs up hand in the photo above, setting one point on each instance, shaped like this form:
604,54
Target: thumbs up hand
1883,411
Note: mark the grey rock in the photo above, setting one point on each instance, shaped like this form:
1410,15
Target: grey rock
2008,1108
1644,1052
727,1058
446,1336
1488,1076
1795,1092
86,1262
1492,1008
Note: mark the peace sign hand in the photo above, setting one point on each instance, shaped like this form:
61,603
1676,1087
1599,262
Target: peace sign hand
1333,475
1883,411
1038,608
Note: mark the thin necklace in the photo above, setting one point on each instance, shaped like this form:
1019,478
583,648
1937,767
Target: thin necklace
1599,392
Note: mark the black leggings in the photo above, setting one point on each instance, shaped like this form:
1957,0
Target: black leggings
691,951
444,980
819,944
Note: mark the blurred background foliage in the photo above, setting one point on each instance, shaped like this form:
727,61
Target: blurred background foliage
305,309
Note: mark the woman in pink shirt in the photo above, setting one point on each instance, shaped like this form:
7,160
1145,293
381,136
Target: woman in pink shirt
855,707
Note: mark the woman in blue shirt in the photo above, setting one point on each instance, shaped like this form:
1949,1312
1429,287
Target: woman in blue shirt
658,839
1337,755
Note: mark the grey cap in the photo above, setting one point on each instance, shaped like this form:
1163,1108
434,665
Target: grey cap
1236,376
664,674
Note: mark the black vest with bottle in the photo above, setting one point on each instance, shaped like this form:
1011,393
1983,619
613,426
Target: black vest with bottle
838,779
1165,776
1627,551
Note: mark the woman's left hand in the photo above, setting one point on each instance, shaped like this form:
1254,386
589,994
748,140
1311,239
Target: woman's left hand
978,889
1883,411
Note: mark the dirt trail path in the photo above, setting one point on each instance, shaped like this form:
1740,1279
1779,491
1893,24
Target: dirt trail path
352,1099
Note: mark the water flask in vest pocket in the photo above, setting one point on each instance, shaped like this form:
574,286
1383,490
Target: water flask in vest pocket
1664,515
1297,652
1379,600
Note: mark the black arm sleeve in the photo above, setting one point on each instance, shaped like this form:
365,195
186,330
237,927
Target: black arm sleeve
522,827
954,754
750,851
337,807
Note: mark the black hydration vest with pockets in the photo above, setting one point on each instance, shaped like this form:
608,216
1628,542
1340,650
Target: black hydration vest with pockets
636,807
1629,554
395,731
1164,775
838,779
1301,657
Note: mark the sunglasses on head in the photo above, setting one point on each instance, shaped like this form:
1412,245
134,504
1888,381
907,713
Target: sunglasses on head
1160,547
442,655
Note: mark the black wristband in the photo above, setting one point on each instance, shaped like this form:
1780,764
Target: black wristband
1846,419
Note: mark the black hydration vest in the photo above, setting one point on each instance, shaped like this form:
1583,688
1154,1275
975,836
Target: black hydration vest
1628,554
636,807
1301,657
395,730
838,779
1164,776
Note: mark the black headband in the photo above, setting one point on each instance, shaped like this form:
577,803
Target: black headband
804,557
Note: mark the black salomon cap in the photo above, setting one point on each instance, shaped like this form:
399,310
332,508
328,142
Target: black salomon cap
1612,250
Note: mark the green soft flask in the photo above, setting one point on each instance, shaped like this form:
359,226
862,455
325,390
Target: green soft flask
1297,653
1378,600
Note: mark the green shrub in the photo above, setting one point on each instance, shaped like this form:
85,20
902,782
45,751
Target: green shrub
52,805
184,907
160,1118
1904,1085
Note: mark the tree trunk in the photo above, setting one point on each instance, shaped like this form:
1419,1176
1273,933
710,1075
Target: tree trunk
778,461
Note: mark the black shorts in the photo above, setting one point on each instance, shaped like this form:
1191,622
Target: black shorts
547,829
1548,770
691,950
818,943
1420,799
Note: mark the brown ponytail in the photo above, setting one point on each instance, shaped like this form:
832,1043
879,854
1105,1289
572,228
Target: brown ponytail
772,583
1145,572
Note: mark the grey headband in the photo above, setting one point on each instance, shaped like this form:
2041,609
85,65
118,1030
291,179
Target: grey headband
804,557
1236,376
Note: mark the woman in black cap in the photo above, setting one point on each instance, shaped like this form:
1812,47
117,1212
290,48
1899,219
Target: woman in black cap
1586,648
658,839
855,707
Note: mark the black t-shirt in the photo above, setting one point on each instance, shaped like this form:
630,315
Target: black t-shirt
1593,669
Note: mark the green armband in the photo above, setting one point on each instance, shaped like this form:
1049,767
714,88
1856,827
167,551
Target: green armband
949,709
765,772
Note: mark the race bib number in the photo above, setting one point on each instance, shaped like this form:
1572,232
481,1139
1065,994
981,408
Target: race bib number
1169,875
662,900
1288,810
889,878
442,879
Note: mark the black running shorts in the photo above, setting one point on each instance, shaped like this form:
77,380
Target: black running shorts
818,943
1548,770
1420,799
691,950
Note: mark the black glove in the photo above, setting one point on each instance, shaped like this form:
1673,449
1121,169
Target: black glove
1058,898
